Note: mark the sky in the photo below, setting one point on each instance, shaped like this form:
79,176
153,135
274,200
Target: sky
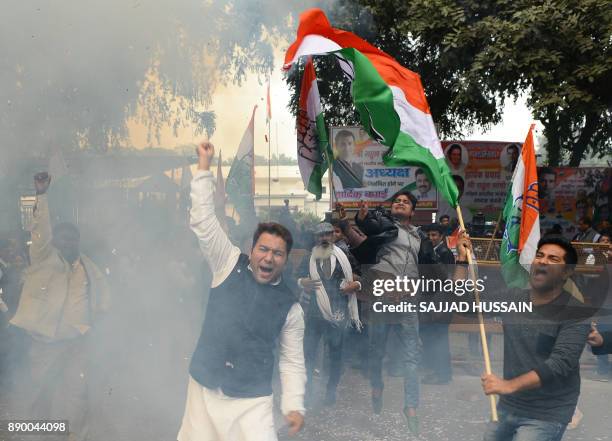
233,104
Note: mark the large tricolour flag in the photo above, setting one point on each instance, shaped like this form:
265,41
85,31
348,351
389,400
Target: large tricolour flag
312,143
522,217
239,184
390,98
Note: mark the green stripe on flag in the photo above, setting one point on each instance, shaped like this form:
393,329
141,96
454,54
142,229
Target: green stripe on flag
374,101
512,271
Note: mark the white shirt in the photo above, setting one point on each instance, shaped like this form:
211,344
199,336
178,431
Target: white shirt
222,257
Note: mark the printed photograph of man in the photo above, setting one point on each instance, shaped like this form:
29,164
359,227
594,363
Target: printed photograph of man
510,157
425,189
457,158
346,169
547,180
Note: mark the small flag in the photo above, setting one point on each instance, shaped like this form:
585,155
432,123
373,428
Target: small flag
240,179
522,217
451,239
312,144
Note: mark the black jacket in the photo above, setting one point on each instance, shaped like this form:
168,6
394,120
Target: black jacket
606,348
380,229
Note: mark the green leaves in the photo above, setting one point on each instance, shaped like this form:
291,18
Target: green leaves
470,54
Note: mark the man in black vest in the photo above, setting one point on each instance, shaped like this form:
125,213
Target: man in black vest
229,396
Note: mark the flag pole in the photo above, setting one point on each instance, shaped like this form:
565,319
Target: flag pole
330,162
501,213
481,326
269,121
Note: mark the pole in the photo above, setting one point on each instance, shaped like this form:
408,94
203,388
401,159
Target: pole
501,213
277,154
330,163
483,334
269,174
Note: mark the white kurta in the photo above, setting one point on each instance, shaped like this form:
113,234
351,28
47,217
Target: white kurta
210,415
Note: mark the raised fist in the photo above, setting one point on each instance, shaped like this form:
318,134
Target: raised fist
206,151
41,182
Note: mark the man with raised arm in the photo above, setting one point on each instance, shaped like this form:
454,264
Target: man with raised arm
229,396
63,297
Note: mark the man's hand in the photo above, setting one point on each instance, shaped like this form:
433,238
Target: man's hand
309,284
206,151
363,210
595,338
350,287
492,384
464,245
340,210
295,421
41,182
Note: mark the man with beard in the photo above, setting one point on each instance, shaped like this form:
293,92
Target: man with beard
541,382
229,396
329,275
64,293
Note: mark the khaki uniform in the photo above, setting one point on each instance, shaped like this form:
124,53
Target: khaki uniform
59,304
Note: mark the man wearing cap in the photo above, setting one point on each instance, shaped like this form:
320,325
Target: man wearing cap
328,276
434,325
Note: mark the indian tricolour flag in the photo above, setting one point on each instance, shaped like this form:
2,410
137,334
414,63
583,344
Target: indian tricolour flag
240,179
312,143
522,217
389,98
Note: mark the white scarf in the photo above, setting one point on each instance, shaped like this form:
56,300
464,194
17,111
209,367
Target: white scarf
323,298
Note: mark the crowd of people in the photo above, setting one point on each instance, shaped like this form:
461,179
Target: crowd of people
264,315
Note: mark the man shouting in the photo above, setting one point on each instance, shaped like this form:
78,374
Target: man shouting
229,396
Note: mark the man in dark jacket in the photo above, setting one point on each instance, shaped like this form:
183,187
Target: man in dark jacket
394,248
434,325
601,343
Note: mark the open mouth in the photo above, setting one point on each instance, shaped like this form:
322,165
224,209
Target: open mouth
266,271
540,272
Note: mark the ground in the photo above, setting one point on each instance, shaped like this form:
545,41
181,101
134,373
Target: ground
142,398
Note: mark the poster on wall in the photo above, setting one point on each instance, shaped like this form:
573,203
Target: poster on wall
359,173
481,170
568,194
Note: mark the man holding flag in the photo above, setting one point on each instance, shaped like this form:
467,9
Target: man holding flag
541,382
393,110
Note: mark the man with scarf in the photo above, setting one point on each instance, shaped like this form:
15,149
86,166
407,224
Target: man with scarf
328,275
